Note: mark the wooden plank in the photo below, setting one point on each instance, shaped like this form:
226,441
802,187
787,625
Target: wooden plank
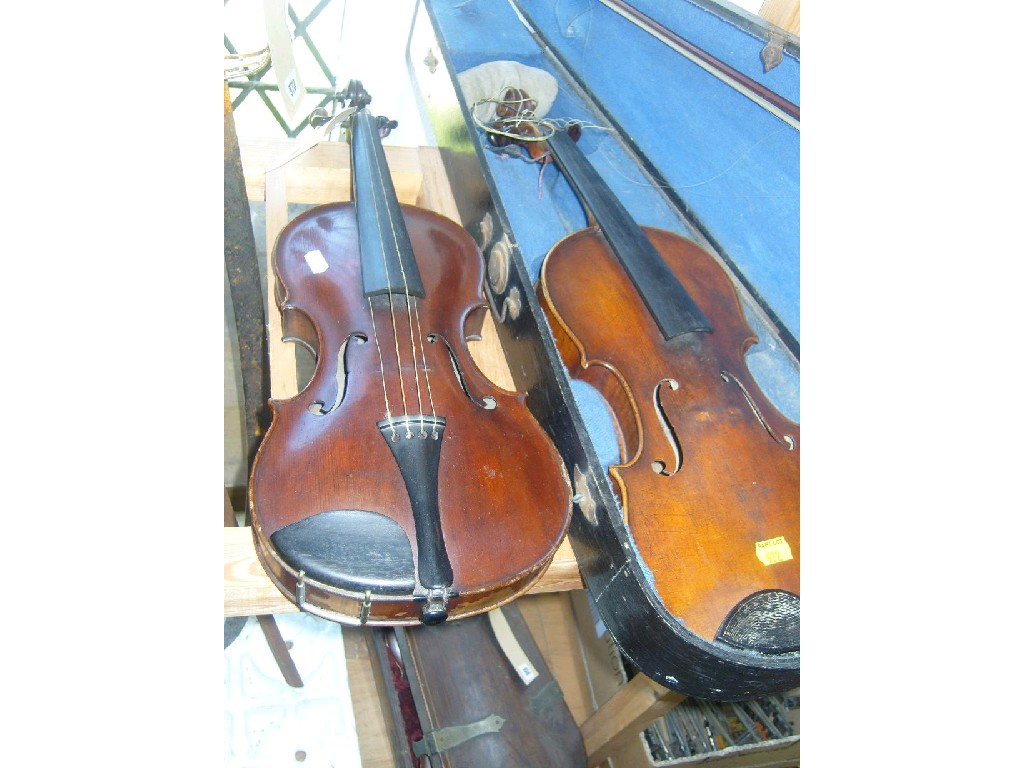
781,753
553,626
368,702
489,356
436,195
604,674
436,192
283,377
322,174
782,13
248,591
633,707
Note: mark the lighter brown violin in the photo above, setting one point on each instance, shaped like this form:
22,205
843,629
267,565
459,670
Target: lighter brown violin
400,485
709,478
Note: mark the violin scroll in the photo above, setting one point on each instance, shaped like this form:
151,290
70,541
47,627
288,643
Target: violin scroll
355,94
354,97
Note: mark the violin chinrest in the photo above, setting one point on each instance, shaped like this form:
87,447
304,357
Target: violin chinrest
350,549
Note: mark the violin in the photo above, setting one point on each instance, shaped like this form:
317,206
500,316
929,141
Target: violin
400,485
709,477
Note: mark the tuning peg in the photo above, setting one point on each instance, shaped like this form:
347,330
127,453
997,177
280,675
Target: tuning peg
319,117
385,126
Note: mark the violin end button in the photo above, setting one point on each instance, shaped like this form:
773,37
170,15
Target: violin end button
432,617
436,609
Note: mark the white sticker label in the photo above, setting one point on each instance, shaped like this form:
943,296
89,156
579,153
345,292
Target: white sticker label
291,86
316,262
282,54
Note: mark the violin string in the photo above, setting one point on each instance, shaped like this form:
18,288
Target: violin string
410,304
376,341
391,307
378,165
383,380
398,354
426,375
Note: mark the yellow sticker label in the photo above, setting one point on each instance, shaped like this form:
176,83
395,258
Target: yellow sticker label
773,551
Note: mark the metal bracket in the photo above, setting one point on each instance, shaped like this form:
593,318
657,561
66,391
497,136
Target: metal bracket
443,739
300,591
771,54
436,609
364,609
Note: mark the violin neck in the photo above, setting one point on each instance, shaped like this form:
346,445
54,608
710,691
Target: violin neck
667,301
385,251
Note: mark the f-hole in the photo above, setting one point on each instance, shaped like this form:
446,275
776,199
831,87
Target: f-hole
486,402
786,441
341,376
659,466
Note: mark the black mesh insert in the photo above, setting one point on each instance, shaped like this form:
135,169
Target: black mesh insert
767,622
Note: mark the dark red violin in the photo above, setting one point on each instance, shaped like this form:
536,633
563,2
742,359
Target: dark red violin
400,485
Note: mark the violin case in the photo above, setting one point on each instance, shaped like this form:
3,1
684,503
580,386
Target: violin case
474,692
675,180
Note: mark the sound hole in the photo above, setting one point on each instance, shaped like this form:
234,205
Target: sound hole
659,466
487,402
341,376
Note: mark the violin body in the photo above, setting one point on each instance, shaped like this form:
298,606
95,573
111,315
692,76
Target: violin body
400,485
709,479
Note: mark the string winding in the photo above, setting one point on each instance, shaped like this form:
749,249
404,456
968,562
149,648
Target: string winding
509,96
